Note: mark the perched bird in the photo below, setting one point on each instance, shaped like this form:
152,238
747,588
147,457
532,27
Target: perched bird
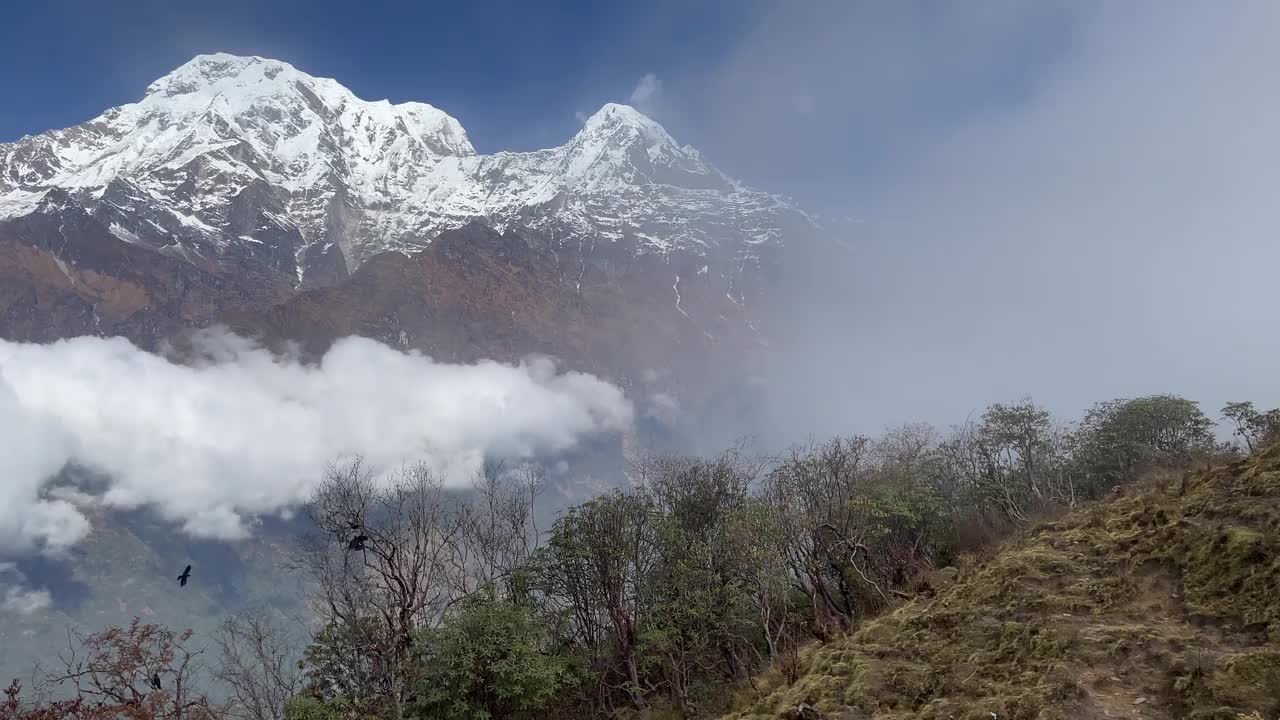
186,575
155,681
357,542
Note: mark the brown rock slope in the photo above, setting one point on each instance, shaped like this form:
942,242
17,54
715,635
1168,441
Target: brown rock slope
472,294
475,293
63,274
1164,603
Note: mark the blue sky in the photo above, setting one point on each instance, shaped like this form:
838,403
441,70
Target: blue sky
513,72
812,98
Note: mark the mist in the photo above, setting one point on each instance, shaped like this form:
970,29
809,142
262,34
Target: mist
1068,201
239,432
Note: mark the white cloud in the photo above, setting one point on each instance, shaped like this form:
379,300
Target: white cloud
646,94
244,432
582,117
663,405
16,596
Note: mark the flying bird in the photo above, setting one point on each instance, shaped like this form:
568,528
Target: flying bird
357,542
186,575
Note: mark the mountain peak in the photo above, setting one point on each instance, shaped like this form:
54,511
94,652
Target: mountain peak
616,116
221,63
288,110
618,113
620,144
204,71
234,157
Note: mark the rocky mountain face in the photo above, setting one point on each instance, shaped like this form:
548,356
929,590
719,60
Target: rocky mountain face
474,293
241,190
241,159
63,273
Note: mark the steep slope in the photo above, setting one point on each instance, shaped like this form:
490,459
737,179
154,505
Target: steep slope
476,293
63,273
473,294
233,159
1162,604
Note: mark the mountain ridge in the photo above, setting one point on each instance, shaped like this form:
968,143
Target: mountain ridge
233,157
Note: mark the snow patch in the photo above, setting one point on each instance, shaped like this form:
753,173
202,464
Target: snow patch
676,287
62,265
377,176
123,234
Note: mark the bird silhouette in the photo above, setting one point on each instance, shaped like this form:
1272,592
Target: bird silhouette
155,681
186,575
357,542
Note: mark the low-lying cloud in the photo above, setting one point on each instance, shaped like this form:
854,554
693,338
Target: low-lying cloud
16,596
241,431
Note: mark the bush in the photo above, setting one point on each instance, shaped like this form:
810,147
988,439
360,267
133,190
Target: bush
490,659
1120,438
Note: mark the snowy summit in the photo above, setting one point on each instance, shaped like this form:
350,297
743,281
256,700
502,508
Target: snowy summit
246,157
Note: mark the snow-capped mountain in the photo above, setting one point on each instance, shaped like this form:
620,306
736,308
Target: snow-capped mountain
243,159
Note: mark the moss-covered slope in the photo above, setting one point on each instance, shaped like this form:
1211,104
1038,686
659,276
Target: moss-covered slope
1160,603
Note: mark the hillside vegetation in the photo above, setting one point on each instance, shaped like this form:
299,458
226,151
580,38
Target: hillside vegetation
1163,601
1016,567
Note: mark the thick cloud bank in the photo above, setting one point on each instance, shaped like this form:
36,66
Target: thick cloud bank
242,431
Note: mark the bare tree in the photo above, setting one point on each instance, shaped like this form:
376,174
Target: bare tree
385,563
906,446
498,531
1255,428
142,672
258,663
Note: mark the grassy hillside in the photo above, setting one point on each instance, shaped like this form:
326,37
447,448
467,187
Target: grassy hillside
1163,602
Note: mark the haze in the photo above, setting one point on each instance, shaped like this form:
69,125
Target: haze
1073,201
